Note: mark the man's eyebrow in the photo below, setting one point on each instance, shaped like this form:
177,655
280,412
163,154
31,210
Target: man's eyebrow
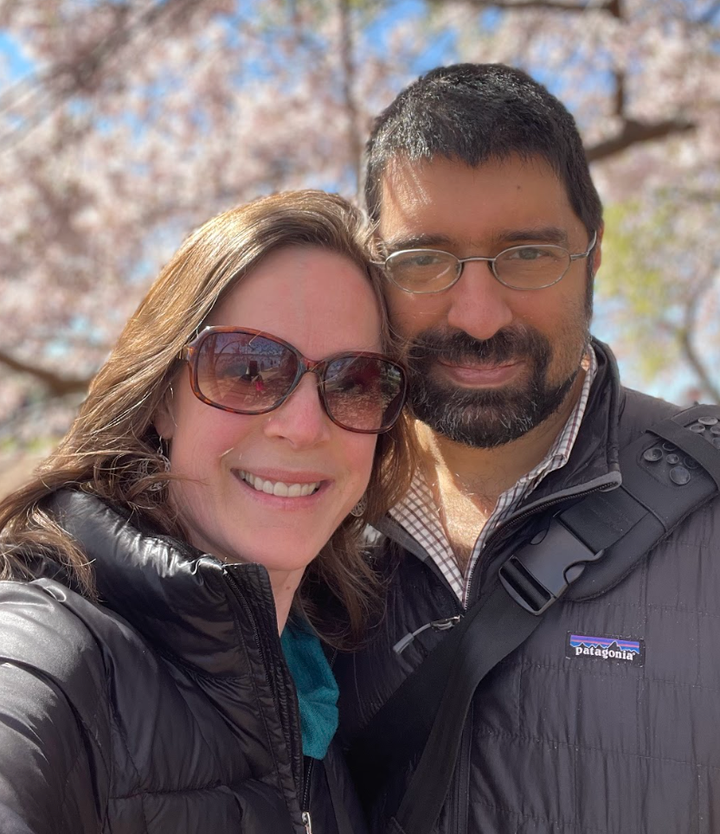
499,238
391,245
540,234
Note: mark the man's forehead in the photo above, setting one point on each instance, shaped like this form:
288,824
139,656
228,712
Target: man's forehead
446,198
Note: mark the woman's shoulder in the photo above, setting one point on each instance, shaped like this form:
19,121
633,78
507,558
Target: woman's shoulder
50,630
83,649
53,687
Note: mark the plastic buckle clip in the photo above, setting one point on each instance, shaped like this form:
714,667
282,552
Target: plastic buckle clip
540,572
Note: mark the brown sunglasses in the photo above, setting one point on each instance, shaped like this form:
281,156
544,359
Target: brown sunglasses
246,371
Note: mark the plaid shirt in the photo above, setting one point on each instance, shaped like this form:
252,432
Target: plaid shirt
418,514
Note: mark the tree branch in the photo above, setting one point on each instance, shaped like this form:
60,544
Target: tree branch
634,133
348,83
693,360
58,386
685,333
48,89
551,5
708,14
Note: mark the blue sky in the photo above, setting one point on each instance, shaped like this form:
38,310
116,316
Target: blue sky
18,64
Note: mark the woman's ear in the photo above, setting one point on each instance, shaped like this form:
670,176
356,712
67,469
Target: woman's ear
164,418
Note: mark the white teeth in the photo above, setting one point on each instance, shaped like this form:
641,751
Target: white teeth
279,487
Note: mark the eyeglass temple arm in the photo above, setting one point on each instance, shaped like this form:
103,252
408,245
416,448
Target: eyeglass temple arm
586,254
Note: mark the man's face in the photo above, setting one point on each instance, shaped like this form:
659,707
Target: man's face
488,363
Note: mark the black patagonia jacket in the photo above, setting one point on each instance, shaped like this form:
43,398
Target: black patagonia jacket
167,709
574,733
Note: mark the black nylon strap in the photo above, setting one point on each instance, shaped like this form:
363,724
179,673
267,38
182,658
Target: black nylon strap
416,713
603,518
483,640
342,817
691,443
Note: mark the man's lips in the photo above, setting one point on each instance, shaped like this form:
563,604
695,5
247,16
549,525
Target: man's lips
478,373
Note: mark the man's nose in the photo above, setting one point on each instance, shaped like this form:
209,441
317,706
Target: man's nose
479,304
301,419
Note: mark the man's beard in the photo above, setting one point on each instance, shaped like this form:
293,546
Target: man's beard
485,418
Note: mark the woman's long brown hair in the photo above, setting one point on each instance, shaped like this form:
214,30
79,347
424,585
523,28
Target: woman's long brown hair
111,449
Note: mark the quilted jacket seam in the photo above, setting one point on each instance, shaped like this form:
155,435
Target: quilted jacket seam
569,824
553,743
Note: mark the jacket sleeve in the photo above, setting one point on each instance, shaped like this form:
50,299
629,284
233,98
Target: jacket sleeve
52,712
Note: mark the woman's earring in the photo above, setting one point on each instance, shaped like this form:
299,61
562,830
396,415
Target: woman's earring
163,455
359,509
147,466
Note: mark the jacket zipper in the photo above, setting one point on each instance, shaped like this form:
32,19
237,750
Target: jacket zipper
301,788
305,804
437,625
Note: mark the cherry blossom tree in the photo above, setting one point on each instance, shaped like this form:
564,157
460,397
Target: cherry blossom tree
125,123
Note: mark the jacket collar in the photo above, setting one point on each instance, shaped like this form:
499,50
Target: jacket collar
593,462
182,601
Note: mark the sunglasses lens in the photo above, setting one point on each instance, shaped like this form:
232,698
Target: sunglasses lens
244,372
364,393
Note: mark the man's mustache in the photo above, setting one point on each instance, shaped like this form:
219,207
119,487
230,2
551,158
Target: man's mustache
457,346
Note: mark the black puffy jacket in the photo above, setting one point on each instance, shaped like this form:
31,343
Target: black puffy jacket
166,709
561,742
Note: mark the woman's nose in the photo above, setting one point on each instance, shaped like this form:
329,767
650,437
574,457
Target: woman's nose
301,419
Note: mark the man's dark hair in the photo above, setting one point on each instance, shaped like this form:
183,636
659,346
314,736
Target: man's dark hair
475,113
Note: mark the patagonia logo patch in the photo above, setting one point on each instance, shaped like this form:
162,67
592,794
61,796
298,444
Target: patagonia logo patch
605,648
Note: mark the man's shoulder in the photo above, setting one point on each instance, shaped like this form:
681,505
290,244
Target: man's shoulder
638,407
639,411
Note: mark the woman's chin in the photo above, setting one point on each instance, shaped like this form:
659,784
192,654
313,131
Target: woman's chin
278,559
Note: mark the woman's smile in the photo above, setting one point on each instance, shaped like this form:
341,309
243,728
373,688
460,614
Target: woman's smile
293,489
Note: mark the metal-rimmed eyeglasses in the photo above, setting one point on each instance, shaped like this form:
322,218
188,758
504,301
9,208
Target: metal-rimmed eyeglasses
532,266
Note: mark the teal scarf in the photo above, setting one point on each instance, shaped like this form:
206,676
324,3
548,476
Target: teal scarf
317,690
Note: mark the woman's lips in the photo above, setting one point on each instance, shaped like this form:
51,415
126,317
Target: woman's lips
282,489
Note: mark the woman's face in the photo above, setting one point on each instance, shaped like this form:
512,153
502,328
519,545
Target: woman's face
322,304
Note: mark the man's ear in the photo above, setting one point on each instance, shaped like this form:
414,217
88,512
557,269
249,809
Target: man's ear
164,418
597,251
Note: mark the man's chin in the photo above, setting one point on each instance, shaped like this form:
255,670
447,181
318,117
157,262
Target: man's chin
481,428
485,418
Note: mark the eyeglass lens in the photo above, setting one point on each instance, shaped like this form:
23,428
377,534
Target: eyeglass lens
251,374
525,267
